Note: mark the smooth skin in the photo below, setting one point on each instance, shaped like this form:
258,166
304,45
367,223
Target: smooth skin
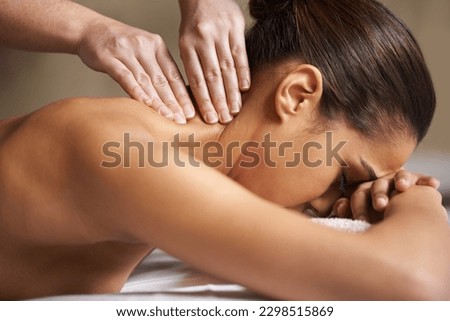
70,225
139,60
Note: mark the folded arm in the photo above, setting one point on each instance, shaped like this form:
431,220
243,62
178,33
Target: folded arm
208,220
235,235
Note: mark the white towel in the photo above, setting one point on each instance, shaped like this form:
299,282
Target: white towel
343,224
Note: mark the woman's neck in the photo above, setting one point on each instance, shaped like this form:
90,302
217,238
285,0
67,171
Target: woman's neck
221,144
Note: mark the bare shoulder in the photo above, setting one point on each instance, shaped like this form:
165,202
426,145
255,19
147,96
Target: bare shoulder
49,160
82,116
84,112
73,131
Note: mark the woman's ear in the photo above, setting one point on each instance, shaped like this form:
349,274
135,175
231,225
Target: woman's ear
299,93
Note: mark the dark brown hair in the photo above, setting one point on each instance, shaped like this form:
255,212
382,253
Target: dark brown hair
373,70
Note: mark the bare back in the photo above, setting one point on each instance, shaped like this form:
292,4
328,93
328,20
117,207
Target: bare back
69,225
45,246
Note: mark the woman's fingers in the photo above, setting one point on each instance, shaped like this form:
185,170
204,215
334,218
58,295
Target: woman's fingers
360,202
404,180
341,208
360,205
369,201
429,181
380,191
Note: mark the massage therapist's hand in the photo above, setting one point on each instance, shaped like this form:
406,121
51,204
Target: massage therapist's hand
369,200
140,62
212,47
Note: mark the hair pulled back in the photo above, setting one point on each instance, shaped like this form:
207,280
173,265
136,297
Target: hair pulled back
373,70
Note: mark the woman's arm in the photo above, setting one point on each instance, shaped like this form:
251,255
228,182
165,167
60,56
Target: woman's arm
205,218
235,235
415,237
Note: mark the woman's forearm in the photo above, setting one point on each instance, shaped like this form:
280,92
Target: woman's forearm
45,25
415,238
216,225
232,234
286,256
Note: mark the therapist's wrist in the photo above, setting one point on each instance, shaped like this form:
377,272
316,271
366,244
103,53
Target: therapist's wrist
87,28
186,5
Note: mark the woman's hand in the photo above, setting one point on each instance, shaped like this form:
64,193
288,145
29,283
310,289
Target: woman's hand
140,62
414,239
212,47
369,200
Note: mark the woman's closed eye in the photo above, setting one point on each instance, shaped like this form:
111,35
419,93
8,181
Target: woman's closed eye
343,183
311,211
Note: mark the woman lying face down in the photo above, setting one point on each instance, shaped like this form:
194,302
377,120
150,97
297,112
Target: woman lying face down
369,85
341,96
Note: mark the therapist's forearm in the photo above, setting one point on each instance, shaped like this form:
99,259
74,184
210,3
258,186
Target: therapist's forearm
44,25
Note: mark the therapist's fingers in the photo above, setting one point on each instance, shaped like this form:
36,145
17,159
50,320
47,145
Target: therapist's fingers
237,46
160,91
213,76
141,63
198,86
149,72
230,78
205,79
176,87
212,47
158,87
153,81
127,80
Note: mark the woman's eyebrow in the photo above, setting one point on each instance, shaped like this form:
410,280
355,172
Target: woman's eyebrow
369,169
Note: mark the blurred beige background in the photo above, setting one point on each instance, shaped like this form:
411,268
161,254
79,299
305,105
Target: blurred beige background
30,80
